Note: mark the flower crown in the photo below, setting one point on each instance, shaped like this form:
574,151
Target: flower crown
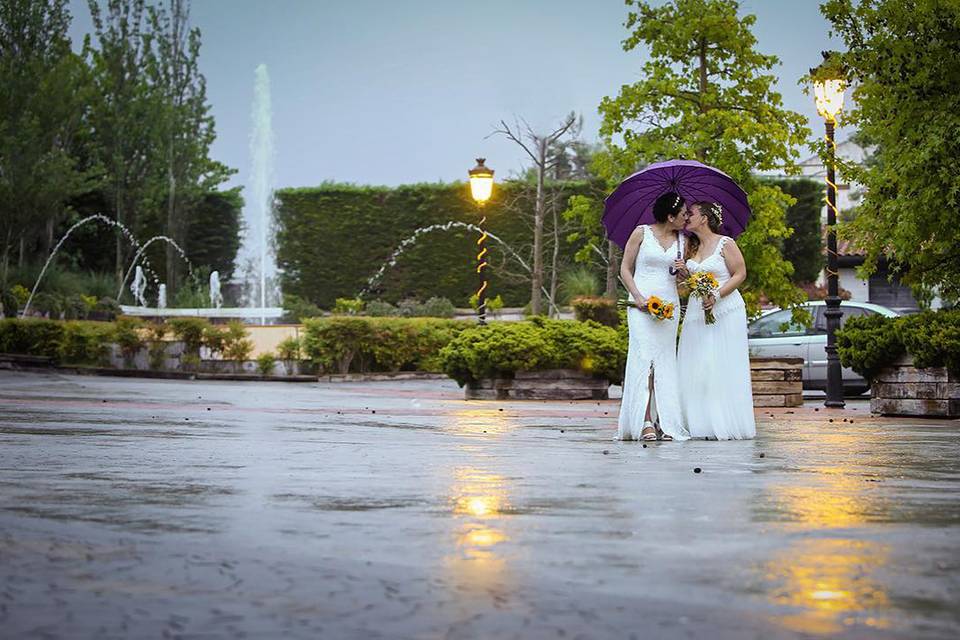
717,212
676,201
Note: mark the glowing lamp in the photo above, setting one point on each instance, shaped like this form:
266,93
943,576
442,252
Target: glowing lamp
828,95
481,182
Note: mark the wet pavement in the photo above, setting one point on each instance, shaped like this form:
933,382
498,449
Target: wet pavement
148,508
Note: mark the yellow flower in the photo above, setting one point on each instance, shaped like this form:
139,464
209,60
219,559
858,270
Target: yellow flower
654,304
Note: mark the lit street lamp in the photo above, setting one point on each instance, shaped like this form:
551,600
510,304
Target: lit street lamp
828,89
481,188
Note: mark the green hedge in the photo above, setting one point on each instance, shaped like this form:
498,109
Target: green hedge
72,342
345,344
331,239
502,349
932,338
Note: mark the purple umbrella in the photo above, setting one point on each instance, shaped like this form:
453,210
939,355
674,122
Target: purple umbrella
631,204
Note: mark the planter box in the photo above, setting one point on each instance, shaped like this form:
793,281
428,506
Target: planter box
904,390
777,382
552,384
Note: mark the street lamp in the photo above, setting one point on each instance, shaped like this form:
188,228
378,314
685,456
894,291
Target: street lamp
828,89
481,188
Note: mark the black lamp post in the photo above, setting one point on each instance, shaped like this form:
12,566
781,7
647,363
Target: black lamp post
481,188
828,92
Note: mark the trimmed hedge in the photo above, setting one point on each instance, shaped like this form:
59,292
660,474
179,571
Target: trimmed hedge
345,344
331,239
502,349
868,344
73,342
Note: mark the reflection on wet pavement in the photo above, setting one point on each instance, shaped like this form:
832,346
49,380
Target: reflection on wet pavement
397,510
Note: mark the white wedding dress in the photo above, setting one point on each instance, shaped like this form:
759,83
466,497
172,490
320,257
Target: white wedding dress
714,362
653,347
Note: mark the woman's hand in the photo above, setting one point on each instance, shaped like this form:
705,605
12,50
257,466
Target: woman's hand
681,268
708,302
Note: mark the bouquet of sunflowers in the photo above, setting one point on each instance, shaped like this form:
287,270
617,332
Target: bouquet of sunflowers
703,284
655,307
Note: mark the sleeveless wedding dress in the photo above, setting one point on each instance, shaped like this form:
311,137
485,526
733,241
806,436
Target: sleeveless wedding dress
652,347
714,362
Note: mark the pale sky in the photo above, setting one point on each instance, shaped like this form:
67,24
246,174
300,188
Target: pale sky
391,92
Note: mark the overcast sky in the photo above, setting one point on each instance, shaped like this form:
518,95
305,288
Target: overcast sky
394,92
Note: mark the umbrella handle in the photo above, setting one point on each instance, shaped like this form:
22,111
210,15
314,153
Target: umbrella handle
673,271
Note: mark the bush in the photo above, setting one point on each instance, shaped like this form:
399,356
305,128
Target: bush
265,363
8,304
602,310
236,345
380,308
157,351
126,333
868,344
34,337
214,338
493,304
47,305
87,342
75,307
437,307
500,350
105,310
190,331
362,344
580,282
348,306
296,308
289,349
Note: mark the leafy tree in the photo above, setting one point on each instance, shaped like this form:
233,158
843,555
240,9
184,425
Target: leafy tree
41,119
804,248
707,94
213,231
186,126
124,114
901,58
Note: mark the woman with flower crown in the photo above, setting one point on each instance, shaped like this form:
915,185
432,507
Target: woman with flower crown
713,356
650,408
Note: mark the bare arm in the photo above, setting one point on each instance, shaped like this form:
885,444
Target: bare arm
627,263
735,265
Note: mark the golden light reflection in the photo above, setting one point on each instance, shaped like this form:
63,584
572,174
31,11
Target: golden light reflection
828,584
477,564
477,421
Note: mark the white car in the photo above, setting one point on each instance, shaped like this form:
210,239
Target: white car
773,335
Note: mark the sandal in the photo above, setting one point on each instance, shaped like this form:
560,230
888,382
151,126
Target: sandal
665,437
649,432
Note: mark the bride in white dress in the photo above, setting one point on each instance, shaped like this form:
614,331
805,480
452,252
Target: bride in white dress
650,408
714,358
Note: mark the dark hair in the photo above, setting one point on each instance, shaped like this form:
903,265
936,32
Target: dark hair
714,213
669,204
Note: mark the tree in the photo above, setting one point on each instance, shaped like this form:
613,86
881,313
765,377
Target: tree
186,126
901,58
804,247
124,114
213,231
41,119
707,94
546,151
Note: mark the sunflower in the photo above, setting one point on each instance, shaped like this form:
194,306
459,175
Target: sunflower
668,311
654,304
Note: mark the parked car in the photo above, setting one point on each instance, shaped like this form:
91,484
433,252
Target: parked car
774,335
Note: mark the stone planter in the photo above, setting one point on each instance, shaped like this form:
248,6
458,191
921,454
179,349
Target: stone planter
904,390
777,382
552,384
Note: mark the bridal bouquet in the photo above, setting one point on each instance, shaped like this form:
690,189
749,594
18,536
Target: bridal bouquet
655,307
703,284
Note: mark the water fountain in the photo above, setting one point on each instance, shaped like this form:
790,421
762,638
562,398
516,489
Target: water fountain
97,217
256,260
162,297
137,256
216,298
139,288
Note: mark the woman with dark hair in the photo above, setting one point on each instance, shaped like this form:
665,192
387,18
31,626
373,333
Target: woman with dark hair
713,356
650,408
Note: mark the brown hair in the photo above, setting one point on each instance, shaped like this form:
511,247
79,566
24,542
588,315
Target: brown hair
714,213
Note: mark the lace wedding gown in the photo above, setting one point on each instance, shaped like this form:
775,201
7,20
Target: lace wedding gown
652,348
714,362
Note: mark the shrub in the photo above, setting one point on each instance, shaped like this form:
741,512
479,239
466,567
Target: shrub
157,351
494,305
190,331
500,350
265,363
75,307
8,304
289,349
602,310
106,310
380,308
31,337
348,306
48,305
127,335
579,282
296,308
214,338
21,293
378,344
868,344
236,345
86,342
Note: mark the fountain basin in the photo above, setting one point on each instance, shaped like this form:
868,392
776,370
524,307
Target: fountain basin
228,313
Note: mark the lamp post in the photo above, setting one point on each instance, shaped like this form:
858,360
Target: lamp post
481,188
828,93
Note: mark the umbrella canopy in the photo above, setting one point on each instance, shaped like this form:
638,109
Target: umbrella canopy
631,204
